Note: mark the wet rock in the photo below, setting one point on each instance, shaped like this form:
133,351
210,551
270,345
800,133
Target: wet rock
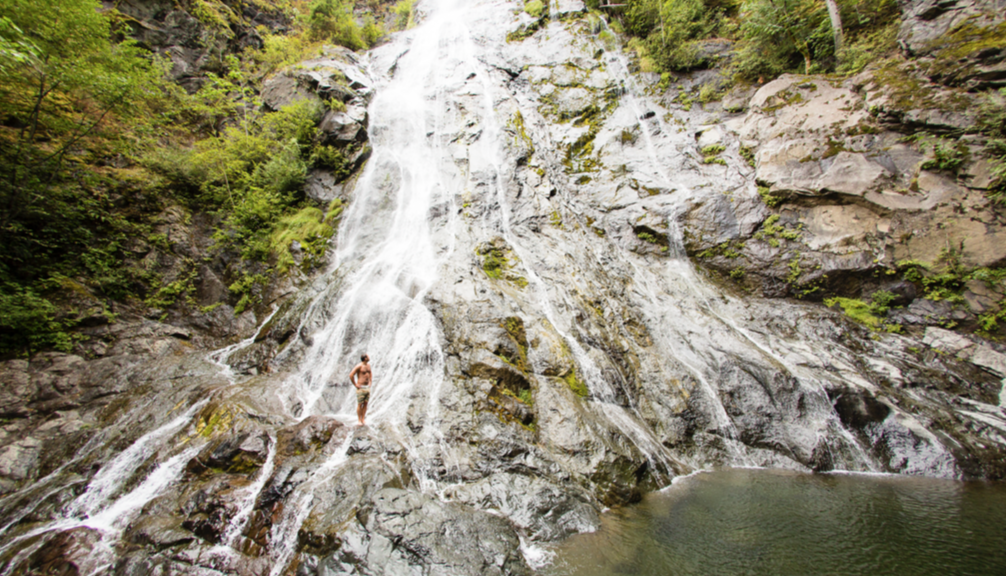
413,531
310,434
980,298
209,507
66,554
858,408
159,532
235,454
348,492
569,7
335,76
345,128
545,511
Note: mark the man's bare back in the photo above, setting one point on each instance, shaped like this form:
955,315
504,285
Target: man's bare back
361,377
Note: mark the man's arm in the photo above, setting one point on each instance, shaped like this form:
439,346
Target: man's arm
353,375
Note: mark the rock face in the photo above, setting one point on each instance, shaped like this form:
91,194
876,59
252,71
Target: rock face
195,41
956,42
516,258
853,201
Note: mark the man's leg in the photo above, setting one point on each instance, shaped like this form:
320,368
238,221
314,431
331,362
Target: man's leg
363,412
359,412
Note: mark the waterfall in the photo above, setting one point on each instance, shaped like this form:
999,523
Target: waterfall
679,373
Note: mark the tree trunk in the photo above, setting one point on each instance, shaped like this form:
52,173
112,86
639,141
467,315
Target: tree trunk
836,24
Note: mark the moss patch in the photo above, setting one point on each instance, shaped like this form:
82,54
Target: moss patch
575,384
772,232
498,260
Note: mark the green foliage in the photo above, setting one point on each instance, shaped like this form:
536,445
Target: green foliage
525,396
780,33
770,36
181,288
309,228
870,44
28,322
404,14
332,21
948,157
94,142
249,289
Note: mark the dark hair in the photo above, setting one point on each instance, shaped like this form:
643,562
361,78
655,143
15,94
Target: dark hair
363,357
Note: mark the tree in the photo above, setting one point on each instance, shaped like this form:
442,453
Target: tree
61,78
836,23
779,28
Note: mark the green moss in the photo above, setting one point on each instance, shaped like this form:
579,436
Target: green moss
771,231
526,30
725,249
833,148
496,263
857,310
781,100
794,270
948,157
953,50
709,93
575,384
685,99
517,123
219,418
767,197
907,92
555,219
749,156
713,150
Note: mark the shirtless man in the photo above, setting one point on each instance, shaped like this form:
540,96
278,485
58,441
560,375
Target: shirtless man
361,377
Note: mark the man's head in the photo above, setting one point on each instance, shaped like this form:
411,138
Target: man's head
364,358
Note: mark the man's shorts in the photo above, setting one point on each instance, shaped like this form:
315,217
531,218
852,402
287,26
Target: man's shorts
362,395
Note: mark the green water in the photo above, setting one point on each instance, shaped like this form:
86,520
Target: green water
750,522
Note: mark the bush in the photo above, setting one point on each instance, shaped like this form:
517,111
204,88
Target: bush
403,14
28,322
332,21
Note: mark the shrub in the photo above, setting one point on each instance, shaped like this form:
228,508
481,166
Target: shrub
28,322
534,8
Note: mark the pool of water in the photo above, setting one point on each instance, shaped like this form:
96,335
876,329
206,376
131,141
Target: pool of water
754,522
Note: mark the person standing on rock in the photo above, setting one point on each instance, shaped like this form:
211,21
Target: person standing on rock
361,377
